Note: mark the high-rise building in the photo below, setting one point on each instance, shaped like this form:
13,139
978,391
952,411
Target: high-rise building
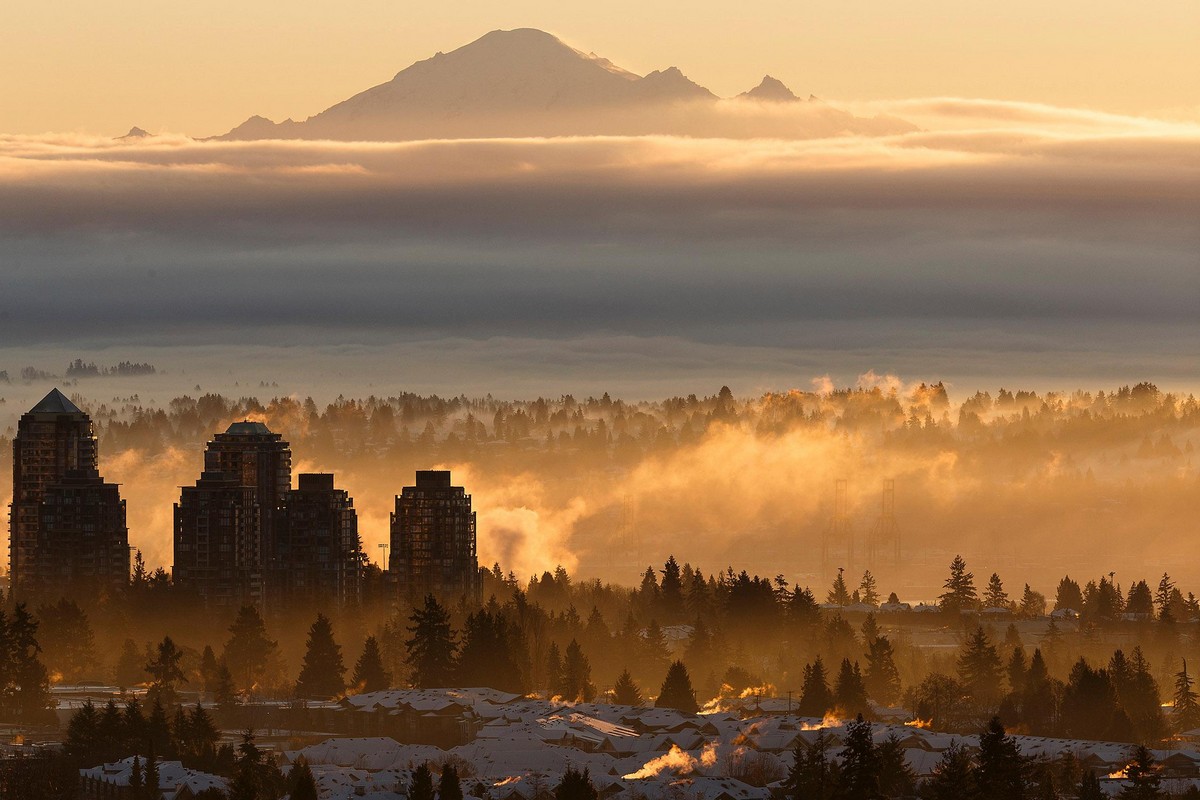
433,540
225,524
260,459
83,542
55,449
217,540
317,553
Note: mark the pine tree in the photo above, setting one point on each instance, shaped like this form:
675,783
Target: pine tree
208,669
979,668
420,786
677,691
815,697
838,593
449,786
995,596
577,675
1162,598
250,655
323,675
135,776
1089,788
489,652
860,763
960,592
301,783
1142,774
671,592
625,691
953,778
575,785
83,733
867,590
814,774
999,773
1186,711
554,671
369,674
1017,670
28,683
896,777
225,692
130,669
431,648
165,672
883,678
849,691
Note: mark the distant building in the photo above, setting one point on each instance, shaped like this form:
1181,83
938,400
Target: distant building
317,552
433,540
83,547
218,552
262,460
55,454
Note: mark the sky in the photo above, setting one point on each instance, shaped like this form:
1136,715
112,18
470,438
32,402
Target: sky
202,68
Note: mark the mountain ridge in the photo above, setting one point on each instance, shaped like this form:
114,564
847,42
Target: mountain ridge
526,82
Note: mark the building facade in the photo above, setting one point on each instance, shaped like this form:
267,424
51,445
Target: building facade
433,548
317,552
218,552
261,460
55,454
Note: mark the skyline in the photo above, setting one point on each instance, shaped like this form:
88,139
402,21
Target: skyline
172,69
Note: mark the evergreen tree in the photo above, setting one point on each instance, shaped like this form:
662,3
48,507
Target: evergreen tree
449,787
1142,774
1033,604
1068,595
225,692
960,592
953,778
814,774
995,596
677,691
554,671
420,786
868,592
1089,788
671,592
896,777
575,785
999,773
131,667
135,776
1186,711
815,697
431,648
838,593
209,669
860,763
490,650
165,673
625,691
979,668
323,675
27,689
301,783
83,733
369,674
849,691
1017,670
803,612
577,675
250,654
883,678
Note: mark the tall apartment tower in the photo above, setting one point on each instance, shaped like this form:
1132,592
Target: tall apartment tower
433,540
261,459
224,525
217,541
54,453
317,553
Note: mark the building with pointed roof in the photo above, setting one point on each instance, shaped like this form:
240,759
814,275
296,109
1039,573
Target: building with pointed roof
65,523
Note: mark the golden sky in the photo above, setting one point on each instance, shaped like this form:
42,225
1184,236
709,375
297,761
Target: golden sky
201,68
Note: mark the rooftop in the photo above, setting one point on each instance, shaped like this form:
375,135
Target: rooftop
248,428
55,403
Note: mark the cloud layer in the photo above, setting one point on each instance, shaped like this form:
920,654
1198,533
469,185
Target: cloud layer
995,216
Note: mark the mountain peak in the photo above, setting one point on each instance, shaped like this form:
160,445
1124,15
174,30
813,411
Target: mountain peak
136,133
771,89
